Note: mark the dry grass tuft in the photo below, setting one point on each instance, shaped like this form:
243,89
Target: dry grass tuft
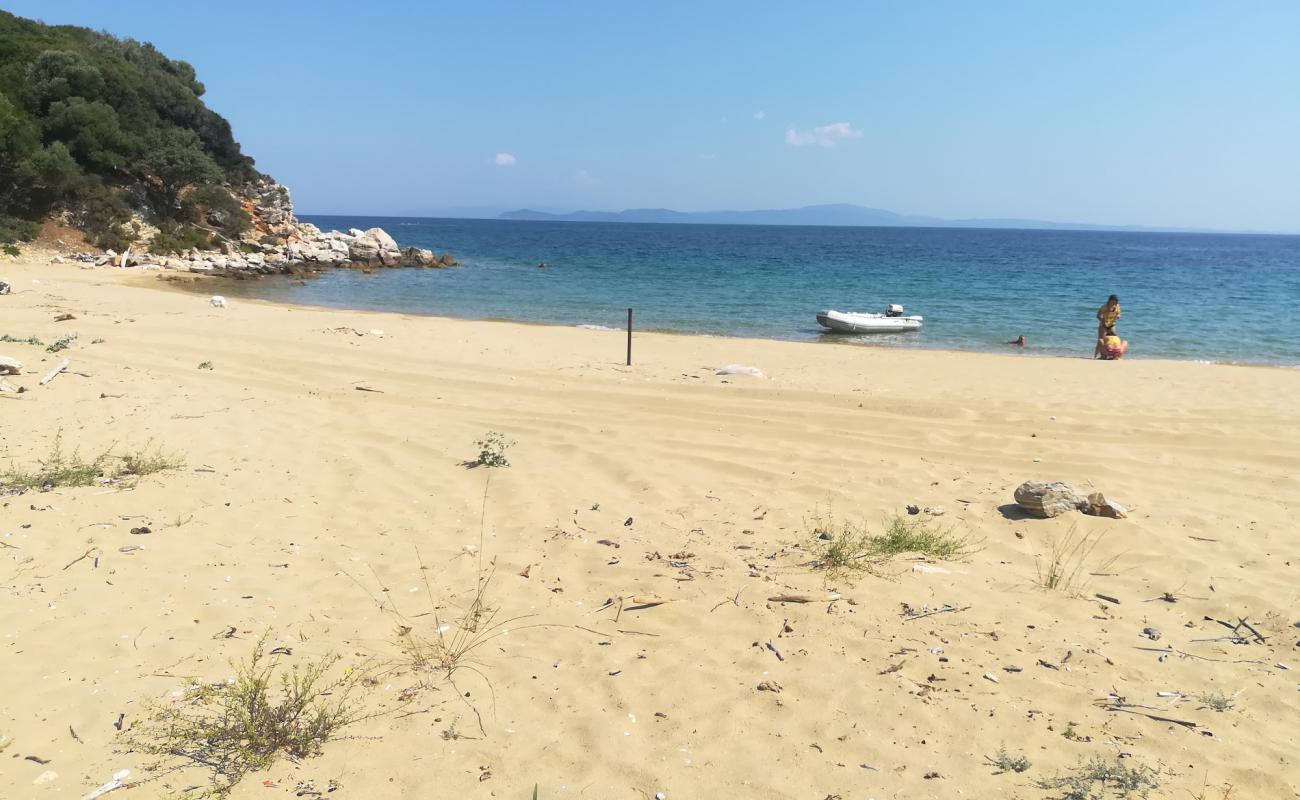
1067,570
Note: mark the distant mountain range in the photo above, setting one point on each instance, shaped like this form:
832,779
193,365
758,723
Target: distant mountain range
839,214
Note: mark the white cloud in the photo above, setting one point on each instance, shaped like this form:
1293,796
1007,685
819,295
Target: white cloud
585,178
504,160
760,115
822,136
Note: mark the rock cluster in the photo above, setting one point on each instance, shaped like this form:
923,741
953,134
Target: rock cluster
1042,499
277,242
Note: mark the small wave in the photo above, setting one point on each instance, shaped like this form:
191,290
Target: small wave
596,327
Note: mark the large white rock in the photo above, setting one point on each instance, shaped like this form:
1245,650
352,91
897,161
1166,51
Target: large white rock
1043,499
380,235
10,366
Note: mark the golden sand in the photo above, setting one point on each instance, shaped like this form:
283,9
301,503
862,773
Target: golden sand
303,503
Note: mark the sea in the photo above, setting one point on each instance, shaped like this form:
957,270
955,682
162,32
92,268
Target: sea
1204,297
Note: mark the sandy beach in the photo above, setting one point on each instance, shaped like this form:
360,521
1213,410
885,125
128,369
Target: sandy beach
327,518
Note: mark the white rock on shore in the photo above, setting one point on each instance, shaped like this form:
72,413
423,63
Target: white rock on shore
277,242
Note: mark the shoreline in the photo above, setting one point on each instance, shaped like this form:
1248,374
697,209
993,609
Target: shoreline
324,500
193,286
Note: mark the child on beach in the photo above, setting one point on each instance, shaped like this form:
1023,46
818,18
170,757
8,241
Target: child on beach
1110,346
1107,316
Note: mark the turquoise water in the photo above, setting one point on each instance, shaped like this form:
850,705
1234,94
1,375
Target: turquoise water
1185,296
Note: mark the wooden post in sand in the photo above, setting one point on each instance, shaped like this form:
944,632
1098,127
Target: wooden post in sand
629,337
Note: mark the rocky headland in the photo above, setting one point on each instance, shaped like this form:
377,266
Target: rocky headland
277,242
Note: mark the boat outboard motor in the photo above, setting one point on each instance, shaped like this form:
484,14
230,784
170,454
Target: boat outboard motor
894,310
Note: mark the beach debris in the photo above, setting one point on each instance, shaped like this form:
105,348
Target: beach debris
609,543
1044,500
6,386
741,369
1238,637
768,644
140,531
64,317
368,389
4,288
989,676
803,598
932,569
1151,633
1108,598
769,686
218,301
113,785
910,613
54,373
935,511
1114,702
10,366
913,509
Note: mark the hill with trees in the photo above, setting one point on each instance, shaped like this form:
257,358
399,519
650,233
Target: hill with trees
113,137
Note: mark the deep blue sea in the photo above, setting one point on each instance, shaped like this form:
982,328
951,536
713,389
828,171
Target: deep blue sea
1188,296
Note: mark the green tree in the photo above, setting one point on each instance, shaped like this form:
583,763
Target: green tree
92,133
58,75
174,159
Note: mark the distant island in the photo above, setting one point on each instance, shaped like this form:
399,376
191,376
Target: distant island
836,214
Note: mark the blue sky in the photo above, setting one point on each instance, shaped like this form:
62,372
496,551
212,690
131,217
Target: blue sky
1179,113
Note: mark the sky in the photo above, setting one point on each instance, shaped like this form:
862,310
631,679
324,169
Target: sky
1176,114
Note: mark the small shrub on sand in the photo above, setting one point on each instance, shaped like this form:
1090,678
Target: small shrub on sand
1005,762
846,548
149,460
237,727
61,344
58,469
492,450
1217,701
1067,570
1100,778
29,340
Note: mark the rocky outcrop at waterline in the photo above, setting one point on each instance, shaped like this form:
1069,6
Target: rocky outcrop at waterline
276,242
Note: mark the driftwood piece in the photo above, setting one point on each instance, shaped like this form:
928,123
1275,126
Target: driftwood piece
802,598
54,373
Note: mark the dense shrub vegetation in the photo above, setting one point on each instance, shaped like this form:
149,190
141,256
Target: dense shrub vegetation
99,127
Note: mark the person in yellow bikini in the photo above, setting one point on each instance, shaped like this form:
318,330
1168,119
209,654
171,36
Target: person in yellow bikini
1107,316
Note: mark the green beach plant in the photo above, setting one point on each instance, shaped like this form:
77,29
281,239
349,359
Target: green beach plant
60,469
57,469
1005,762
1100,778
492,450
149,460
844,549
61,344
235,727
1217,701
